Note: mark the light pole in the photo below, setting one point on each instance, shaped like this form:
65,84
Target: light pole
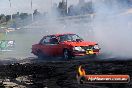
10,9
66,7
32,9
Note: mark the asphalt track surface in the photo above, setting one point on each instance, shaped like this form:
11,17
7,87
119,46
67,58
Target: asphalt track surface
35,59
58,73
101,57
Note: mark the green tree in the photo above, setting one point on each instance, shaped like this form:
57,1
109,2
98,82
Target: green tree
23,15
2,18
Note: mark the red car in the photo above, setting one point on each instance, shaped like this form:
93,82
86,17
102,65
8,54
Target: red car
66,45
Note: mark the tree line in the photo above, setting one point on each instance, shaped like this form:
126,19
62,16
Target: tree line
61,9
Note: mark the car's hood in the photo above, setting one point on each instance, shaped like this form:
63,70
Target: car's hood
82,43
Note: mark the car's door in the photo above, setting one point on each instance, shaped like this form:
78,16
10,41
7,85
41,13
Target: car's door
54,46
45,45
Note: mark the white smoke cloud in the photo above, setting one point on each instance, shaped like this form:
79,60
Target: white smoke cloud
112,30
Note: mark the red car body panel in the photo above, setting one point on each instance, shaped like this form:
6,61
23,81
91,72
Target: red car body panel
83,43
57,49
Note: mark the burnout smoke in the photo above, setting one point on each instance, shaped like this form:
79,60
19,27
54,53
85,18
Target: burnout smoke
112,29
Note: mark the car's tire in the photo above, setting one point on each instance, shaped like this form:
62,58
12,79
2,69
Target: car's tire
40,54
66,54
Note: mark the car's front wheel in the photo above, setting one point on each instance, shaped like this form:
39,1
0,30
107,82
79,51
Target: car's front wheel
66,54
93,56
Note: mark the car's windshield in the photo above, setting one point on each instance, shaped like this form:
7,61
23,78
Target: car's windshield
69,37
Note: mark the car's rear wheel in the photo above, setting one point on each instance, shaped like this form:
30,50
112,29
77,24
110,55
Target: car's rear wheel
40,54
66,54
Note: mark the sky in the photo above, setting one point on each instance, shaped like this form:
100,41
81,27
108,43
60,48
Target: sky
25,5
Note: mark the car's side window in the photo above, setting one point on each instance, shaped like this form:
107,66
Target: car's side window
53,40
46,40
65,38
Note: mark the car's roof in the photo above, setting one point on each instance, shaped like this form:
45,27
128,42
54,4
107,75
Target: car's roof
58,34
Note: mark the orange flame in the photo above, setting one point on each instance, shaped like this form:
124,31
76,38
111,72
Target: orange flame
81,71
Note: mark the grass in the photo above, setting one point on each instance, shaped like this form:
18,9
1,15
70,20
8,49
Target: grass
24,40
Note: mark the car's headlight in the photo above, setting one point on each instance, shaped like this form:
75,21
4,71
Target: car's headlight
96,46
78,48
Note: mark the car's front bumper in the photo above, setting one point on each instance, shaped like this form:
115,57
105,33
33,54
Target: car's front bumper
83,53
